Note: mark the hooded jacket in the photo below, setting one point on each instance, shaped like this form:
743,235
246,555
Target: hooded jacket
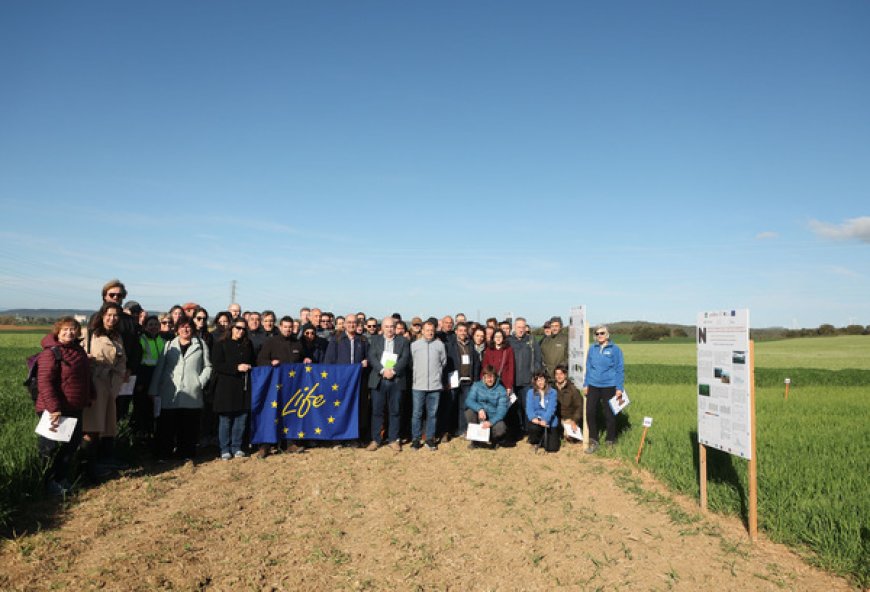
492,399
179,379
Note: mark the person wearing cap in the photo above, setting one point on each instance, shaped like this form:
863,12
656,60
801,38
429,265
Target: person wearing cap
605,379
189,308
415,329
554,347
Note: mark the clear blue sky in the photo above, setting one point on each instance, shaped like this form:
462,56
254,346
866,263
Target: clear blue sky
648,159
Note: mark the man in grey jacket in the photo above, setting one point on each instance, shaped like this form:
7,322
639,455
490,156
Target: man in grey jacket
527,361
429,360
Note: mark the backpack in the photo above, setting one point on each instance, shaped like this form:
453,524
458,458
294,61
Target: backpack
32,380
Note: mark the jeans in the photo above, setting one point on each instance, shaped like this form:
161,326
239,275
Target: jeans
231,430
389,395
461,393
430,399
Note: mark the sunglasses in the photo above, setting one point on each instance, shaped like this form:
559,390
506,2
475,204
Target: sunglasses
371,326
113,295
600,333
164,322
199,318
239,328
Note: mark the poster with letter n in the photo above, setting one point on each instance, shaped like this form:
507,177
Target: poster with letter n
578,344
725,381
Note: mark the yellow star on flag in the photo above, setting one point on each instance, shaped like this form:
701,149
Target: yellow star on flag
286,430
324,374
331,419
308,368
337,403
335,387
317,431
274,404
301,435
292,373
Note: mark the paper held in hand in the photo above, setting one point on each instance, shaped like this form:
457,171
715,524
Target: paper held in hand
62,433
572,432
389,360
620,402
127,387
477,433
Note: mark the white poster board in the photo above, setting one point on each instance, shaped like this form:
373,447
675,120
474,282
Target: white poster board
578,345
724,389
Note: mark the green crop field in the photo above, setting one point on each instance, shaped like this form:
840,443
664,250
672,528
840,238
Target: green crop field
813,450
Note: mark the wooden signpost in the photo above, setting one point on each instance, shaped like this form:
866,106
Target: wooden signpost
787,384
647,423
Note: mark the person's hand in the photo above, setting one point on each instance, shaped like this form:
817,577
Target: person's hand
245,367
389,373
573,423
55,419
306,361
276,362
481,415
485,425
585,390
619,395
365,363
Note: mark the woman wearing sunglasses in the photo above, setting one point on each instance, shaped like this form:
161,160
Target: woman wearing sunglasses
605,378
233,359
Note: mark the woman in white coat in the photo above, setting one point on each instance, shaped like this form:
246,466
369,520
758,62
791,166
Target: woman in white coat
179,382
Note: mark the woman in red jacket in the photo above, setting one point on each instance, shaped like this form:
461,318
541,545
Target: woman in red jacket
500,356
64,389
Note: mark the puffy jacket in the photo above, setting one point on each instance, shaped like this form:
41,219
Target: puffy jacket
547,412
64,387
429,360
179,380
604,367
492,399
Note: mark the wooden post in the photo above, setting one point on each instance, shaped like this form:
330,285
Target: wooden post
702,457
787,384
753,461
640,448
585,423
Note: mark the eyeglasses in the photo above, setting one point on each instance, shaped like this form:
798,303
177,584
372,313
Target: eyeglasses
601,333
113,295
164,322
372,326
239,328
199,318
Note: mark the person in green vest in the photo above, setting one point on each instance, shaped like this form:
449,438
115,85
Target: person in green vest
143,407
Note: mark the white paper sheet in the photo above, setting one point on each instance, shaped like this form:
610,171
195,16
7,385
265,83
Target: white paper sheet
619,403
477,433
571,432
127,387
62,433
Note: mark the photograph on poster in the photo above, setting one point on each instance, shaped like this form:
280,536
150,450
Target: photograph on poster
704,390
738,357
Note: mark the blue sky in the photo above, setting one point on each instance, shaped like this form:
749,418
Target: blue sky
648,159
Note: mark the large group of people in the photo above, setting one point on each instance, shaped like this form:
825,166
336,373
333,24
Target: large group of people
424,381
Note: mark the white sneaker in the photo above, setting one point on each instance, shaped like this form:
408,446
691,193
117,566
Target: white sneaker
240,454
226,456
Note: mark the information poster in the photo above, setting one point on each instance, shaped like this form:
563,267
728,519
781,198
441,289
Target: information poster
724,414
578,344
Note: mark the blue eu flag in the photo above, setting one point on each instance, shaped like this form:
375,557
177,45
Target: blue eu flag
304,402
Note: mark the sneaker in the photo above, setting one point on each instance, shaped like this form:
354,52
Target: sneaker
56,489
240,454
416,445
262,453
431,446
226,456
593,446
372,446
395,446
473,445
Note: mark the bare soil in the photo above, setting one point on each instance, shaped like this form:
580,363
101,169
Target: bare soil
348,519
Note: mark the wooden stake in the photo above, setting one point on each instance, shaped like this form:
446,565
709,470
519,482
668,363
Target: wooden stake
787,384
753,461
702,457
640,448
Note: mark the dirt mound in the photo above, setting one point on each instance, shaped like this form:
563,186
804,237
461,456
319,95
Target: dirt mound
347,519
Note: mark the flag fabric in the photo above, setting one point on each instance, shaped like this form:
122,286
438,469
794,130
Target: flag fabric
304,402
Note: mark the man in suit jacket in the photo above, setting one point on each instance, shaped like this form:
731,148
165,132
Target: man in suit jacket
465,361
389,357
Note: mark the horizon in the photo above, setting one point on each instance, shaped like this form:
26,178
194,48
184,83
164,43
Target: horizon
644,160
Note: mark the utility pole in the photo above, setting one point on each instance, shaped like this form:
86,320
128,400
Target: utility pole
232,291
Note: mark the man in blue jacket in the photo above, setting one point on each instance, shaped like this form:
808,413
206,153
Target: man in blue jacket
487,404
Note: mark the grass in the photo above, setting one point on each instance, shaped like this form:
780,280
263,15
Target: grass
813,450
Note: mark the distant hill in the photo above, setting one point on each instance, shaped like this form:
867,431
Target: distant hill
35,314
